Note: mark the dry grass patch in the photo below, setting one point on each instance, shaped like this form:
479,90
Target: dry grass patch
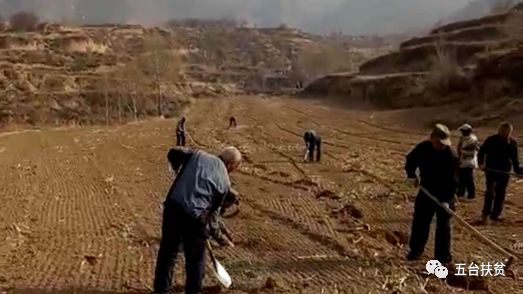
32,46
446,75
88,46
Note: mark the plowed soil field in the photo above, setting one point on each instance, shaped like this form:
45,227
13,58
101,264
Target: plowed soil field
80,208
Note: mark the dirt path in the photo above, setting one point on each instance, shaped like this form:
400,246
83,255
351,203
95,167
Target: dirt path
82,207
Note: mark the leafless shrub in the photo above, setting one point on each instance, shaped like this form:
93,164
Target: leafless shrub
446,75
23,21
160,65
131,84
330,58
206,23
514,27
283,26
502,6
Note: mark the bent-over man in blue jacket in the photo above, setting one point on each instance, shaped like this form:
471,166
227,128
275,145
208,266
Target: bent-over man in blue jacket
195,196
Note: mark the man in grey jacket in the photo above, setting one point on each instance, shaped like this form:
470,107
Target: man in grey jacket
195,196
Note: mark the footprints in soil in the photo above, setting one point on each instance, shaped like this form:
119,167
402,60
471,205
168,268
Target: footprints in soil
466,282
279,174
260,166
328,194
396,238
348,212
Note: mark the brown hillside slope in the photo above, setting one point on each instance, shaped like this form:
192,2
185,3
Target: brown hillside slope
105,73
473,62
464,39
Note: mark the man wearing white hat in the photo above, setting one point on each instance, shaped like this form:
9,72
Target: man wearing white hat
468,148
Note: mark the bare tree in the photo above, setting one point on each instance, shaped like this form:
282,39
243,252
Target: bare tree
106,96
215,45
330,58
159,64
502,6
23,21
119,93
446,75
132,83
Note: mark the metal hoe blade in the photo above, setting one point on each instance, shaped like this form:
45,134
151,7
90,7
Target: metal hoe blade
219,271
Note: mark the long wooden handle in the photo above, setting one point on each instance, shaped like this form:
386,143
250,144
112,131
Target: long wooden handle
467,225
500,172
211,254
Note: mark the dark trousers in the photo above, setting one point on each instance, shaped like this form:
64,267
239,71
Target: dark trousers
316,145
424,210
232,122
180,138
179,229
466,183
495,194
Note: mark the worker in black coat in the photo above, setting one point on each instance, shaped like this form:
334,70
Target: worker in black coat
312,142
438,166
232,122
180,132
497,156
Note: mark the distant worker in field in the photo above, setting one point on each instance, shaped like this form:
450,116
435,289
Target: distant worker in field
232,122
497,156
200,189
180,132
468,148
312,142
438,166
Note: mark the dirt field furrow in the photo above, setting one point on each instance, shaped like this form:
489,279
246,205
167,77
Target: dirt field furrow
82,206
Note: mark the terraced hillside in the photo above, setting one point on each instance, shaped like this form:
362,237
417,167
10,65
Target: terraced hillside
478,61
115,73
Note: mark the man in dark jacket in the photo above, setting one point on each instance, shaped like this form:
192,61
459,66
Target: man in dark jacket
180,132
232,122
438,166
195,196
312,141
502,154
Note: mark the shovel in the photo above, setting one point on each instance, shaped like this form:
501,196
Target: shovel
219,271
510,257
306,155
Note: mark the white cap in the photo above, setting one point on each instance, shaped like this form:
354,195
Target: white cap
465,127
